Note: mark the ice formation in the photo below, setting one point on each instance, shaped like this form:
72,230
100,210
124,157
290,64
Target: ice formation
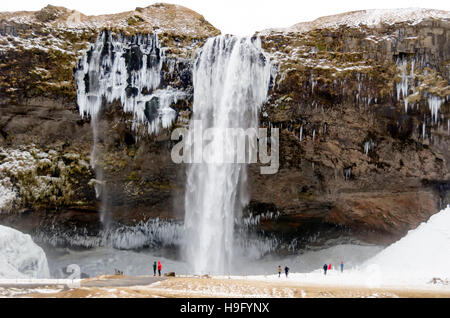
153,233
127,69
347,173
20,257
434,103
231,79
402,87
368,145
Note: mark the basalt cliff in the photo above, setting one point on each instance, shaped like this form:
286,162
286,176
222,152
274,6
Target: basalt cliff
361,100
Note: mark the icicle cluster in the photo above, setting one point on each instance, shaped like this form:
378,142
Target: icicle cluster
127,69
434,103
402,87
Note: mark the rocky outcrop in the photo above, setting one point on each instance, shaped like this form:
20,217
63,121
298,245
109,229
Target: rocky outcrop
362,110
359,147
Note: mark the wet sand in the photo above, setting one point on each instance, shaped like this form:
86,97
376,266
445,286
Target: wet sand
198,287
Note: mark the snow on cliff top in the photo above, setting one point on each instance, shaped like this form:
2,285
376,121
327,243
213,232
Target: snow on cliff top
369,18
159,16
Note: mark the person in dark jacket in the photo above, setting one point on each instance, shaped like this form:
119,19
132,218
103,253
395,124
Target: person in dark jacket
159,268
154,268
342,266
325,267
286,271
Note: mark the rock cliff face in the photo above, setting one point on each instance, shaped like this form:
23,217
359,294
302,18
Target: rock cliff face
361,144
362,106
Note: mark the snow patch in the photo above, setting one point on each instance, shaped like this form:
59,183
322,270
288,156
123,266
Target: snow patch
20,257
370,18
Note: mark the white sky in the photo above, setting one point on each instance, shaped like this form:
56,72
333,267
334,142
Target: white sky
239,17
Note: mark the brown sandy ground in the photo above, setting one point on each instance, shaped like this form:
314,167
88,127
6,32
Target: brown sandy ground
182,287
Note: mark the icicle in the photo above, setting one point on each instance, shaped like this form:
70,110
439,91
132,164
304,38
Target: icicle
402,87
423,130
347,173
367,146
313,82
301,133
434,103
314,135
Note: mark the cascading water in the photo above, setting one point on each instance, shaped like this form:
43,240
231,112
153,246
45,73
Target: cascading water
231,79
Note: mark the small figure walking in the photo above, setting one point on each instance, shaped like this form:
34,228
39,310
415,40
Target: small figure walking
325,267
342,266
286,271
279,270
159,268
329,267
154,268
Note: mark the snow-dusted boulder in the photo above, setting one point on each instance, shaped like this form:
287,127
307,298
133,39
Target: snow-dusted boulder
20,257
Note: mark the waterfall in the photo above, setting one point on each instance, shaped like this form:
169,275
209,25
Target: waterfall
231,78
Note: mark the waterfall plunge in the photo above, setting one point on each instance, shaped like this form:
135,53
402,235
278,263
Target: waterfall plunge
231,79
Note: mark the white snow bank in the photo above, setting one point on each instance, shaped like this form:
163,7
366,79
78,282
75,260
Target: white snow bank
422,254
411,262
20,257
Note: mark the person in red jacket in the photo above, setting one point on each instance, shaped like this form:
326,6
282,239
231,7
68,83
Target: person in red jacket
329,267
159,268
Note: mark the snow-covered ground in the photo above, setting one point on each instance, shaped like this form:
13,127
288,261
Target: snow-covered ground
412,262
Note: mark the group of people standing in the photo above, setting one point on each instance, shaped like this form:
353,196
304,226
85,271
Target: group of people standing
327,267
157,266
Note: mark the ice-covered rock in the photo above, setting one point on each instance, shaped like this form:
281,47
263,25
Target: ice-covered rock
128,69
20,257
